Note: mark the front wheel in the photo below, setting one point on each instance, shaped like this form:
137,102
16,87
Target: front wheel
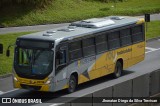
118,69
72,84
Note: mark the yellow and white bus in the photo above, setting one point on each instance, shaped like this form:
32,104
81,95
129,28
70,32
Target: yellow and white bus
65,57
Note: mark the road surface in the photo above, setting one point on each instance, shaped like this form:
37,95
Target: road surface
50,26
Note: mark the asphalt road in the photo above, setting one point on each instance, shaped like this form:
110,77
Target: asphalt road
150,63
50,26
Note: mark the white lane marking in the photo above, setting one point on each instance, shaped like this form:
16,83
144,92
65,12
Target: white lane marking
1,92
152,51
56,104
9,91
150,48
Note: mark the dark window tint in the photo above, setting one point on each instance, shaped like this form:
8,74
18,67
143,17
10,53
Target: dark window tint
113,40
113,35
87,51
88,42
75,54
100,38
101,47
138,37
126,40
137,29
125,37
125,32
114,44
74,45
137,34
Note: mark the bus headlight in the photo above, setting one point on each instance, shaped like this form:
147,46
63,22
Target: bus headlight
15,79
48,81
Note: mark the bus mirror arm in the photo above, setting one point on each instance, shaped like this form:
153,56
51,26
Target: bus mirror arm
8,50
1,48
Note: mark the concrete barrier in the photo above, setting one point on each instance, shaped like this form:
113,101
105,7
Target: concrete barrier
123,89
86,98
107,92
141,86
154,82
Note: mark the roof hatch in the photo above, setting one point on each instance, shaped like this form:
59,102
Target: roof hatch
49,33
93,23
117,17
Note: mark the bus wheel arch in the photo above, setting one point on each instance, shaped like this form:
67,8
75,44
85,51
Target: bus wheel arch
121,61
118,68
73,82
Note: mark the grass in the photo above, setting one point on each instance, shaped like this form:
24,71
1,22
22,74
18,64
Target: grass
153,29
60,11
6,62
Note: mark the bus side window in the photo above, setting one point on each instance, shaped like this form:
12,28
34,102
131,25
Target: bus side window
61,57
137,34
61,60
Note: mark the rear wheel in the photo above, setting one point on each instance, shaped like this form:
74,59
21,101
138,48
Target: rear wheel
118,69
72,84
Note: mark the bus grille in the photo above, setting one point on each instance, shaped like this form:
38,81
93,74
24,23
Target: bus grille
30,87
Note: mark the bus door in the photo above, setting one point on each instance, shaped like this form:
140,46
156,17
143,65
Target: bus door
61,61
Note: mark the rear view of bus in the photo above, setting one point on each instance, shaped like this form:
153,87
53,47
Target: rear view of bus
65,57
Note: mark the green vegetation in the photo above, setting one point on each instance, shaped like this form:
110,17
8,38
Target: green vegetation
59,11
24,2
6,39
6,62
153,29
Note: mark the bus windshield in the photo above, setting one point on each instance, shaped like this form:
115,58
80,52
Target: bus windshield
33,62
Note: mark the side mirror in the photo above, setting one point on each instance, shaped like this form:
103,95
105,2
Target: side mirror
8,53
1,49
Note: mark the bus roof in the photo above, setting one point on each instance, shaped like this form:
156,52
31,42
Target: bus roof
81,28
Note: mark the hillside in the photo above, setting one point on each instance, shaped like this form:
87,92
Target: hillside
60,11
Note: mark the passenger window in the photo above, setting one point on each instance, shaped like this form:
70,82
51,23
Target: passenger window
88,46
137,34
101,42
75,50
137,29
125,37
88,42
74,45
100,38
113,40
87,51
113,35
76,54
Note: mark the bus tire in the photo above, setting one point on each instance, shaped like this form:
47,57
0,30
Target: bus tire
118,69
72,84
